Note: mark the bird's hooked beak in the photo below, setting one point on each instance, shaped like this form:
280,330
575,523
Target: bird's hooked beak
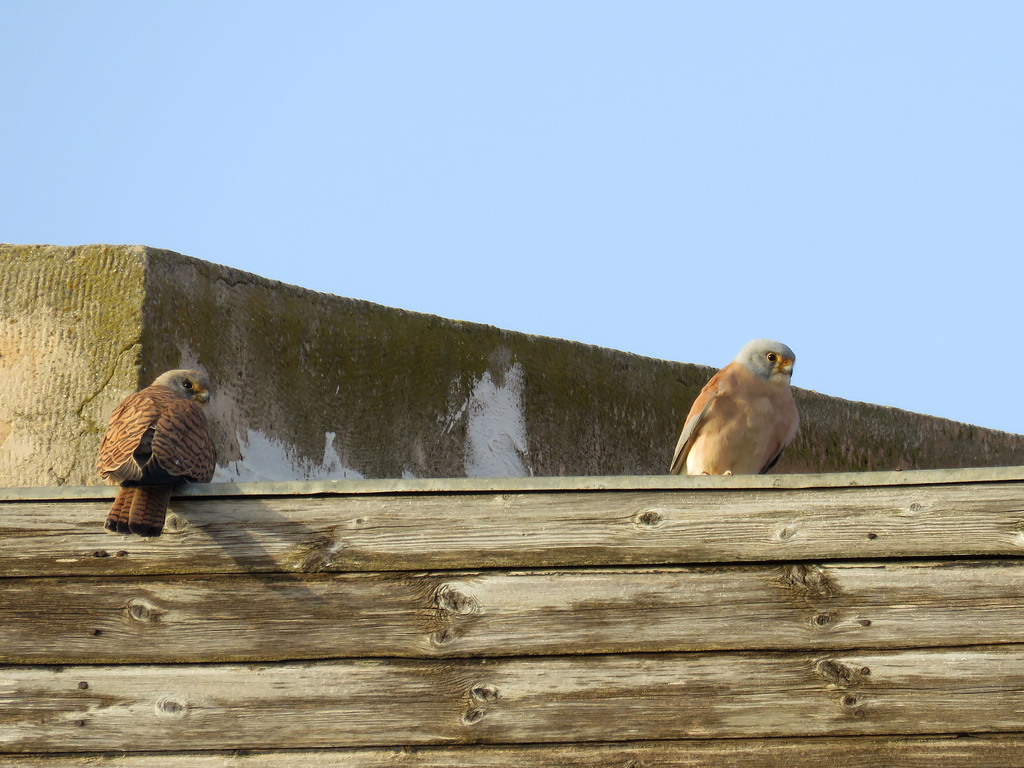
786,365
202,396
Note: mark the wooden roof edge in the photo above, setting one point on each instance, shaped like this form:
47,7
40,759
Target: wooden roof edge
545,484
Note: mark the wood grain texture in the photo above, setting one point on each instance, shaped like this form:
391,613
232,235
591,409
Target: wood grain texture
517,701
608,528
281,617
987,751
620,626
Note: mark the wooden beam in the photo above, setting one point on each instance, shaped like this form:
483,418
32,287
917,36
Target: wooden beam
986,751
514,701
240,618
489,530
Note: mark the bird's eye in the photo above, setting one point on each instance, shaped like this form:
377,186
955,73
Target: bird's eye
187,384
772,357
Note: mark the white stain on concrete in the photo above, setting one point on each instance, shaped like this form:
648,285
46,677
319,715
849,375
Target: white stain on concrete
267,459
496,443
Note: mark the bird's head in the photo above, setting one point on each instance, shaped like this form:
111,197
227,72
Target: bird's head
767,359
192,385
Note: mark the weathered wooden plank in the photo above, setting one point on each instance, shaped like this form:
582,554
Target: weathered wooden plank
455,485
988,751
242,618
518,701
420,532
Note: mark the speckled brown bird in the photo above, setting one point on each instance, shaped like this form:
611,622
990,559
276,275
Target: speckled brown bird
744,416
156,439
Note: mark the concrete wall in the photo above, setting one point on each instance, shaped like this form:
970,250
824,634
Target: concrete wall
313,386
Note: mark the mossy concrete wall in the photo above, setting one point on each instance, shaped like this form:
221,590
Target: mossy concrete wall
313,386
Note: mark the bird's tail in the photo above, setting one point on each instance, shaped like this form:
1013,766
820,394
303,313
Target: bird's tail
148,510
117,517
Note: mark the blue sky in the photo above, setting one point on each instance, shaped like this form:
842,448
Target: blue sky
666,178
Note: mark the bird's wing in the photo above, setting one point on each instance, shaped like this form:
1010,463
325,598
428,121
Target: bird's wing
181,444
785,431
127,427
772,461
695,419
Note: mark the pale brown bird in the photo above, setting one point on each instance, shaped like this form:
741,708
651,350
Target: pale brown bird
744,416
156,439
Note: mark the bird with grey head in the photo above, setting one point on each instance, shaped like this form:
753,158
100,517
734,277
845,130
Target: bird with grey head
743,417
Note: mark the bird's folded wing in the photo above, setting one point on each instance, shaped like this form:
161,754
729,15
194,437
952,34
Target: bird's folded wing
696,417
128,425
182,445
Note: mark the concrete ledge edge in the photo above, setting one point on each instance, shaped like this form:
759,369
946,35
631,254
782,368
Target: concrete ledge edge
920,477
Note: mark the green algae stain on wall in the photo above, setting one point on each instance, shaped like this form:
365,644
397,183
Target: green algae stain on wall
381,392
395,393
314,386
69,344
300,365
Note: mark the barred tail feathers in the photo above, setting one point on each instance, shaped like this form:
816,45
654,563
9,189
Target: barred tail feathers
148,510
117,517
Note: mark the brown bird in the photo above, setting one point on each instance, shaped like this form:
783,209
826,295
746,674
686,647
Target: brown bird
156,439
744,416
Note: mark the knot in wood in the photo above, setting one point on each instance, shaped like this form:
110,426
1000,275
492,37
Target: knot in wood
810,579
166,707
473,716
786,533
449,599
101,553
444,636
175,523
320,554
838,673
650,518
143,612
823,619
484,692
